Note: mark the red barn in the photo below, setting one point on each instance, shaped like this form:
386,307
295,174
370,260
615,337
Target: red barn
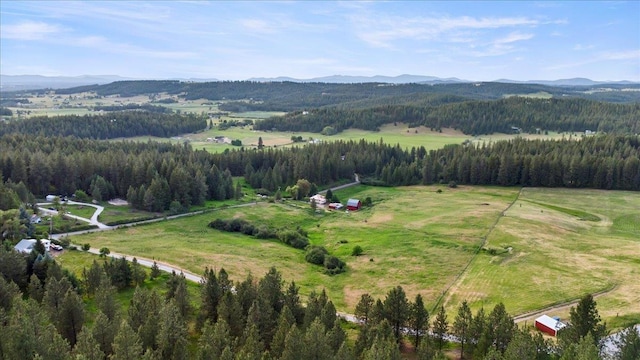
549,325
354,204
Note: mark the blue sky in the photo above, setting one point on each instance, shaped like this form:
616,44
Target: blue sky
477,40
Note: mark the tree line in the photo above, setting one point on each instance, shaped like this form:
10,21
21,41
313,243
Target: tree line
152,175
471,117
107,126
291,96
45,313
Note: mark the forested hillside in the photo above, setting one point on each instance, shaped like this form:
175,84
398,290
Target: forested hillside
472,117
107,126
291,96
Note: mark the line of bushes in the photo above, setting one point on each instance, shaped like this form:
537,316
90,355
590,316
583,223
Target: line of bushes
297,238
294,238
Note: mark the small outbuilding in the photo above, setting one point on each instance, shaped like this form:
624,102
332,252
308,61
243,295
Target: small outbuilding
335,206
50,198
549,325
354,204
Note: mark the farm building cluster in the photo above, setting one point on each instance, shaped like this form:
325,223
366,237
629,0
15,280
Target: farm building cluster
352,204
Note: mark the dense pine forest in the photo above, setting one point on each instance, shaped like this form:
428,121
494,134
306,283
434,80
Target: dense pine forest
472,117
49,313
151,174
108,126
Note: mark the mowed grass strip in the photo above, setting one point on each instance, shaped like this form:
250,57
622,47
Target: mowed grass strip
551,254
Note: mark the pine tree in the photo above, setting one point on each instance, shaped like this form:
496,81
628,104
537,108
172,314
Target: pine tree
462,326
316,345
285,322
419,319
396,310
628,344
440,327
293,345
70,317
172,333
155,270
87,348
210,294
364,308
127,344
584,319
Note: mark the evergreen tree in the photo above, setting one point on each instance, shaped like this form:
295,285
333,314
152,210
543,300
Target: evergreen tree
462,326
35,289
70,317
419,320
584,349
104,332
503,327
105,299
172,333
396,310
126,345
87,348
293,345
364,308
213,341
210,295
285,322
155,270
252,347
583,319
440,327
315,343
628,344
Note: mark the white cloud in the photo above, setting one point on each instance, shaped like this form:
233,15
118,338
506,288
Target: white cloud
382,31
621,55
29,30
513,37
258,25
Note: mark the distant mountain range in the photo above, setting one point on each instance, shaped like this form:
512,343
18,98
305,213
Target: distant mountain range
29,82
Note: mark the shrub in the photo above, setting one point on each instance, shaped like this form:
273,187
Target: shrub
453,184
104,252
333,265
316,255
357,250
86,247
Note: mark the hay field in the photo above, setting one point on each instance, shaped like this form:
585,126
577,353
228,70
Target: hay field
555,245
550,246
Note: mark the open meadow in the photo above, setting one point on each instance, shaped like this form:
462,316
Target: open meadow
551,246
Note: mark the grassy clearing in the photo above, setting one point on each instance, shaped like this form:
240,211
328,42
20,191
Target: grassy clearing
416,237
81,210
422,240
114,213
556,256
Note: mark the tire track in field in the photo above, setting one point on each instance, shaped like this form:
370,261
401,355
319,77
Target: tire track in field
458,280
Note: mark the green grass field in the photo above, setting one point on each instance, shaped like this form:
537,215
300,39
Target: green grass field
422,240
563,244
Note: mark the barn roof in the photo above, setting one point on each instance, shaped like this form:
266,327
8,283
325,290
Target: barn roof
550,322
353,202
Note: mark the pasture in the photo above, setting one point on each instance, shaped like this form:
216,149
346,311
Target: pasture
545,251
